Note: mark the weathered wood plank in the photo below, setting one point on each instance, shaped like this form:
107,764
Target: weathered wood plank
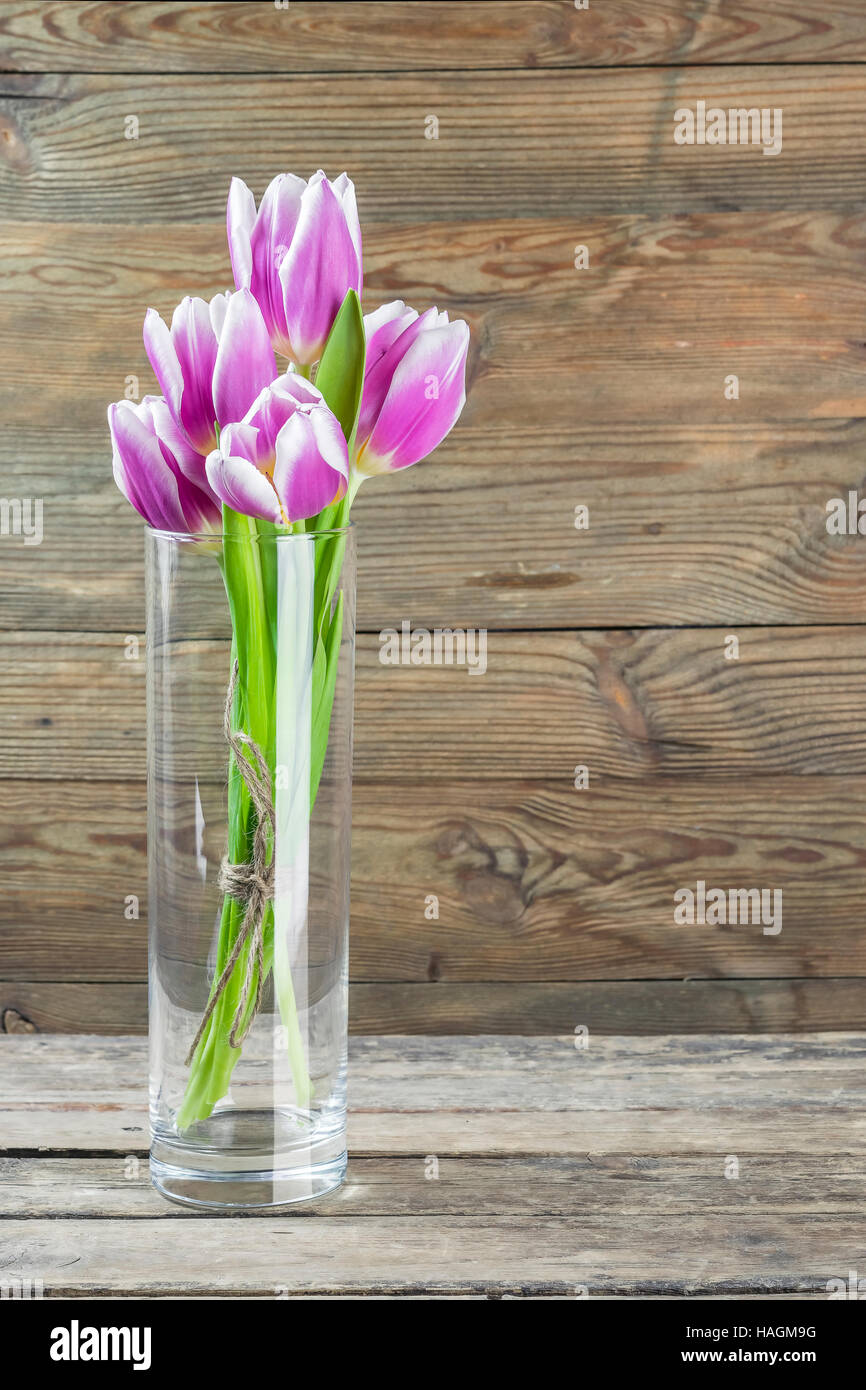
553,884
575,144
534,882
80,35
491,1074
623,1096
704,526
638,704
786,1184
728,1131
701,523
505,1254
641,1007
73,1007
625,1136
778,298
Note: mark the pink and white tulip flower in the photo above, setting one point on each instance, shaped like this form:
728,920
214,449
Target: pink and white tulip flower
299,254
414,386
212,363
286,460
155,468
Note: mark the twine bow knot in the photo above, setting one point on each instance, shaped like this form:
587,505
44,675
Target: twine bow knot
251,883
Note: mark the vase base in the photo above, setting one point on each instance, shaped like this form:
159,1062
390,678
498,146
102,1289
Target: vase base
237,1159
241,1191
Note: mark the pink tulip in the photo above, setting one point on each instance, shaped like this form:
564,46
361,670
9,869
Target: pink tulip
155,467
286,460
212,363
414,386
299,255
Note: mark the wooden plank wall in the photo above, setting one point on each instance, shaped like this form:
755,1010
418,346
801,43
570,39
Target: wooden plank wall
602,386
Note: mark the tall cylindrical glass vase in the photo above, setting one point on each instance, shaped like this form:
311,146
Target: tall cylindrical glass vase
250,651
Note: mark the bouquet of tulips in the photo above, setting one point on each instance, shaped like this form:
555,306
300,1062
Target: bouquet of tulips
237,449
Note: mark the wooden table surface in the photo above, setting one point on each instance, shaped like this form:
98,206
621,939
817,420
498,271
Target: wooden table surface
698,1167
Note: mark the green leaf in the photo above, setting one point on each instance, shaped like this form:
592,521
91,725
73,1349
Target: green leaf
324,686
267,551
340,374
250,607
329,564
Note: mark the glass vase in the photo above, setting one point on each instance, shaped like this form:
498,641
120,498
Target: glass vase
250,652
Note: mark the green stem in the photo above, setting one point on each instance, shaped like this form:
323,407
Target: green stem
250,575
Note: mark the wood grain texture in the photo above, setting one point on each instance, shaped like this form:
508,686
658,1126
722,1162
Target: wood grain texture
783,1185
644,1007
574,145
667,307
726,1130
602,387
643,705
710,525
64,36
534,883
560,1172
720,520
485,1075
518,1256
741,773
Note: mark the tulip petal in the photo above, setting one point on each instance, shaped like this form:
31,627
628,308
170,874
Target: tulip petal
141,471
201,509
245,362
312,467
195,344
217,309
381,368
384,326
345,190
240,220
291,386
426,395
270,239
323,262
176,448
145,443
273,407
163,358
241,485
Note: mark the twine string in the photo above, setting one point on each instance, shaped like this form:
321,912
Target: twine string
250,883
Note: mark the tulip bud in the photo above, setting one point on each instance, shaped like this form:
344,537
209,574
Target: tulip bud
299,255
286,460
155,467
212,363
414,386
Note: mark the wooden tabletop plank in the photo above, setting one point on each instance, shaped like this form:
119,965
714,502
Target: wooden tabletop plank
490,1073
581,1184
396,35
490,1095
605,1172
462,1254
718,1133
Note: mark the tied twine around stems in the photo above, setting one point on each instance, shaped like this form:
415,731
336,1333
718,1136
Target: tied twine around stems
251,883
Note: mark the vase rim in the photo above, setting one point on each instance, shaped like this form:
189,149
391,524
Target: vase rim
210,537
